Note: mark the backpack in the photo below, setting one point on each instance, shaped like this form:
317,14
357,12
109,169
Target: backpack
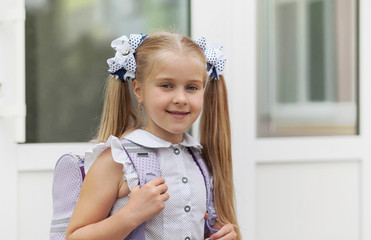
69,173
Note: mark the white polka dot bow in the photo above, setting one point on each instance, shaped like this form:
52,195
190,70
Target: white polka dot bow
123,64
214,57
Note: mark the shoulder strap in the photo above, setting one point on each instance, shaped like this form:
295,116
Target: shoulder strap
211,219
144,160
147,167
197,156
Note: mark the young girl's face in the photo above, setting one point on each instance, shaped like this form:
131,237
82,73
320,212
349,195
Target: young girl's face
172,96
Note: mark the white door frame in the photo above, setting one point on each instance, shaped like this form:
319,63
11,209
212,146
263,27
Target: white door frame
12,110
234,25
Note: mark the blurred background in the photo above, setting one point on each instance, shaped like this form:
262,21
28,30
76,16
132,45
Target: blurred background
297,76
67,45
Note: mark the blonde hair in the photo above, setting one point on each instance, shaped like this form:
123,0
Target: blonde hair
119,112
215,138
120,115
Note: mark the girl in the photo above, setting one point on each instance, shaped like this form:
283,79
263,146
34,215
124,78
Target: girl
172,84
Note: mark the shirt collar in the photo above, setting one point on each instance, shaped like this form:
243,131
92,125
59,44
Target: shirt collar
149,140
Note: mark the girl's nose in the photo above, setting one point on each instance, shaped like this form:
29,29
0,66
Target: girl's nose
180,98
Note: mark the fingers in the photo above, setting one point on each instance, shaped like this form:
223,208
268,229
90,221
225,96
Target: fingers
158,184
149,199
162,188
217,225
155,187
227,232
136,189
156,181
165,197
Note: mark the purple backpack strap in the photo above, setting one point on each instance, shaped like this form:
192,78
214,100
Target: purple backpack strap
211,219
147,167
144,161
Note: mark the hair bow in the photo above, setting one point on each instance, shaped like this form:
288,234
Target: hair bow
123,64
214,57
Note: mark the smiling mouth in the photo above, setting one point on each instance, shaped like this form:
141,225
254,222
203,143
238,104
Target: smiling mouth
177,112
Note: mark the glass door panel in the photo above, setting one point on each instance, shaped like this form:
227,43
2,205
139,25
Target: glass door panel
67,45
307,68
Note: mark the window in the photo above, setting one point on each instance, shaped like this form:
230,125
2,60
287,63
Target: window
67,45
308,68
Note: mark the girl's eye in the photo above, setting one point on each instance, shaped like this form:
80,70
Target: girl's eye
165,85
192,88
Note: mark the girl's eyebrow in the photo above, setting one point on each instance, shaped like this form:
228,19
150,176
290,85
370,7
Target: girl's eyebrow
164,78
196,81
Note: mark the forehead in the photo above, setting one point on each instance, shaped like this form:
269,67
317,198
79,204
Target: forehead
187,64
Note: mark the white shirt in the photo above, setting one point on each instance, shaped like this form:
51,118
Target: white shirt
183,215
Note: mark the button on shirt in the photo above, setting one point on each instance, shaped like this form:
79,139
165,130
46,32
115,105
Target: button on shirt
183,215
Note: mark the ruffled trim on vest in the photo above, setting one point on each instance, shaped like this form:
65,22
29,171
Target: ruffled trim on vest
119,155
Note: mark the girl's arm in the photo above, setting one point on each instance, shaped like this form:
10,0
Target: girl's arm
99,191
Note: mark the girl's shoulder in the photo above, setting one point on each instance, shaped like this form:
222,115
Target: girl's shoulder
105,167
113,154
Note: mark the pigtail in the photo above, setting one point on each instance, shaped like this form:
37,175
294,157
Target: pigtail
119,112
215,138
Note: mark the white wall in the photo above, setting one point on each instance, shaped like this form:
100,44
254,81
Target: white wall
11,28
233,23
35,204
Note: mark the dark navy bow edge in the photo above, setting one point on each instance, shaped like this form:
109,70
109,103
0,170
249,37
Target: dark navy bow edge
213,74
121,73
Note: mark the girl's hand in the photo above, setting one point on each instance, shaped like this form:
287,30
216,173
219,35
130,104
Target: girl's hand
147,201
226,232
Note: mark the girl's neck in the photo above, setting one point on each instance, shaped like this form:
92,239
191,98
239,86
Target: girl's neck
169,137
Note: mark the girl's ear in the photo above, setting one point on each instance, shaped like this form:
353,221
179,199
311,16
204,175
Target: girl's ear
137,89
